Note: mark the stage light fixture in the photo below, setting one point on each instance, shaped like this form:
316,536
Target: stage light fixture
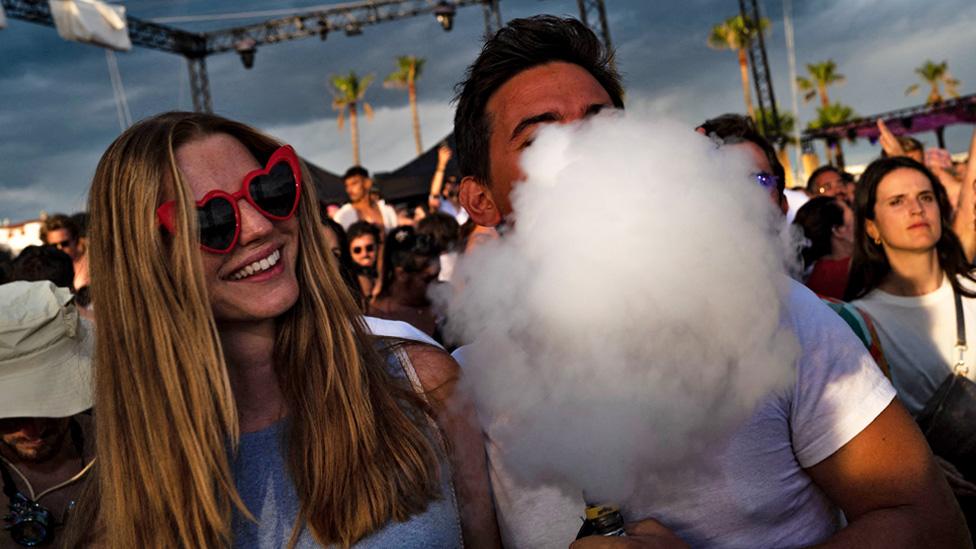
444,13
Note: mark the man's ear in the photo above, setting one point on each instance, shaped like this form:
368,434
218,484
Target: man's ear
368,184
479,202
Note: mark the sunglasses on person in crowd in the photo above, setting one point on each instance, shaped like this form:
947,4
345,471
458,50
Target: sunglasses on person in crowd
272,190
766,180
369,248
63,244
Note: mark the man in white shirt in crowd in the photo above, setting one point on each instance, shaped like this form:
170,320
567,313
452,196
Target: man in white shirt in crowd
362,206
836,440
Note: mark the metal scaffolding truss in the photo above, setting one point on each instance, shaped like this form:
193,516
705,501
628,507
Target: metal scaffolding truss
349,18
594,15
142,33
761,77
195,47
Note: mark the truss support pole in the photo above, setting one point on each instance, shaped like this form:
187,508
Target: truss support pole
199,84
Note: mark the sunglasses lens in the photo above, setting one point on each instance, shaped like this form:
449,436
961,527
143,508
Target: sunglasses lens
217,223
275,192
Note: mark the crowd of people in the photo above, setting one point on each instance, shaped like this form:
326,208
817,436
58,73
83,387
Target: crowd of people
211,357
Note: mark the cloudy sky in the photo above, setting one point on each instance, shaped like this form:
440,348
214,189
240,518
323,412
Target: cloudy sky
58,112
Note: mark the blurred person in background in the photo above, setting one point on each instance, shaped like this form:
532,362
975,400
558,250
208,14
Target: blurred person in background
6,264
364,249
444,189
829,181
36,263
410,264
828,225
335,236
226,327
45,395
364,202
446,234
63,233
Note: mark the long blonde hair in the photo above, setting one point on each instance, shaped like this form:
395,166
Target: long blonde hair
165,412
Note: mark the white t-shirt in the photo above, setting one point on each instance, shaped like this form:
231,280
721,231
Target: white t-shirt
918,338
347,215
460,214
759,494
795,198
396,328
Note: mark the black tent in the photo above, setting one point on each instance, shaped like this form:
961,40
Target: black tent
328,186
410,183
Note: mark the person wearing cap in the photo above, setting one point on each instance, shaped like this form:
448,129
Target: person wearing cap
45,378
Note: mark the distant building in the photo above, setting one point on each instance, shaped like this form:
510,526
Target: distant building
18,236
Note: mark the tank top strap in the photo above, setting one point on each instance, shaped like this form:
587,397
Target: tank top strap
399,362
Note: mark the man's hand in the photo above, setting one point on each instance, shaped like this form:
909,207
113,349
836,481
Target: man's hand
646,534
889,143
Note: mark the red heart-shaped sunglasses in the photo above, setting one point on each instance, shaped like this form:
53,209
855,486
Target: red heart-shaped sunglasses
272,190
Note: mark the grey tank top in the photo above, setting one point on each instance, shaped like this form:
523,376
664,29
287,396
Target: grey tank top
262,480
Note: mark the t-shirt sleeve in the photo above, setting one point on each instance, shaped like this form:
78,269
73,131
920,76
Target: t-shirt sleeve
839,388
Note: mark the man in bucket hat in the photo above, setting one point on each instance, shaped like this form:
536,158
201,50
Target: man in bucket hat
45,388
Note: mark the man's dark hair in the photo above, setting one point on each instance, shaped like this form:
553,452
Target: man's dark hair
522,44
811,181
354,171
734,128
81,222
37,263
57,222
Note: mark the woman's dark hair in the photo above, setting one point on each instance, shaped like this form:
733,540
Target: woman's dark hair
817,218
520,45
347,269
408,250
361,228
443,228
869,265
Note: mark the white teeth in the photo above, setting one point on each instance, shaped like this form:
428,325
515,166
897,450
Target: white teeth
257,266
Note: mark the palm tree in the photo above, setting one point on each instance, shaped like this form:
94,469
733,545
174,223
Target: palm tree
782,138
831,115
786,123
935,74
737,33
822,74
347,93
408,71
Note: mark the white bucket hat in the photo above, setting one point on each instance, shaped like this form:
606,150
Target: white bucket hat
45,352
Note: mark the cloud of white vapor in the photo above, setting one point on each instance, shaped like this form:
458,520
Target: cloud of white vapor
631,319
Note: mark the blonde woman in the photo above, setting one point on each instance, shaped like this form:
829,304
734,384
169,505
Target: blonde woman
240,400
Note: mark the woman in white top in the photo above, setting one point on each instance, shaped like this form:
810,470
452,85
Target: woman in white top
908,262
906,265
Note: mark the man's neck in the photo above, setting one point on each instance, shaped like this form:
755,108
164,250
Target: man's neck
913,274
364,203
249,351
